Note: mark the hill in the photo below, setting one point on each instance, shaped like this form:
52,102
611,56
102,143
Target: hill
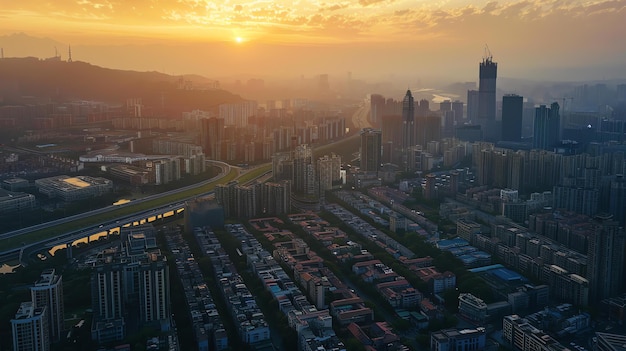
59,81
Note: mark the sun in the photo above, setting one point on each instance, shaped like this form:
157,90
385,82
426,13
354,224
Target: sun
239,39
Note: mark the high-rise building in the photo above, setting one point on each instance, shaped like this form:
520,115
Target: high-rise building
472,106
605,259
48,292
328,169
377,108
487,98
212,135
617,199
546,130
512,111
237,114
277,198
130,286
457,107
371,148
30,328
445,105
408,121
303,170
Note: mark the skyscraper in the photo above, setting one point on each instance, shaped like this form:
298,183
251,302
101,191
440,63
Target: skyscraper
48,292
512,111
472,106
30,328
487,97
546,130
371,147
408,121
605,258
457,107
377,108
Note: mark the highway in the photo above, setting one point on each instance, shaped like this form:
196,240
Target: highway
225,169
16,253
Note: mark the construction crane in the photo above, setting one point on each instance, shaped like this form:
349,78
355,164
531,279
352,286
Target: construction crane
487,54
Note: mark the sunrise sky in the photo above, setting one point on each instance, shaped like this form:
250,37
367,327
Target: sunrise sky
535,39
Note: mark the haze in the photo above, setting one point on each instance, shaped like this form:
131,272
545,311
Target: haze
539,40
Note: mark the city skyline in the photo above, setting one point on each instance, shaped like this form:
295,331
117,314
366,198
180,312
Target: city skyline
373,39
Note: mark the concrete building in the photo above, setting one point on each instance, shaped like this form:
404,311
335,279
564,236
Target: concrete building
472,308
458,340
371,150
13,201
609,342
605,259
73,188
328,170
512,111
30,328
521,335
48,292
488,71
130,286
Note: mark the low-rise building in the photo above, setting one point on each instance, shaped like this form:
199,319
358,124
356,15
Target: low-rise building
69,188
458,339
13,201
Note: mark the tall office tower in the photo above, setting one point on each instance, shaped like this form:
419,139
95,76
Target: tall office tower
371,148
328,170
30,328
487,98
392,130
424,107
377,108
48,292
605,258
457,107
303,170
472,106
212,135
546,130
512,111
408,121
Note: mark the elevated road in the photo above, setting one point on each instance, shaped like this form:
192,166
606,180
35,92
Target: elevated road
16,248
225,169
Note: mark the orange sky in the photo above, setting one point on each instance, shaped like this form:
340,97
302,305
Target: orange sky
382,37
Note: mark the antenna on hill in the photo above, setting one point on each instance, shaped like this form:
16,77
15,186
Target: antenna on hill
487,54
69,59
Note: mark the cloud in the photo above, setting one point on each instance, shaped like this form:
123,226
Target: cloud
370,2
